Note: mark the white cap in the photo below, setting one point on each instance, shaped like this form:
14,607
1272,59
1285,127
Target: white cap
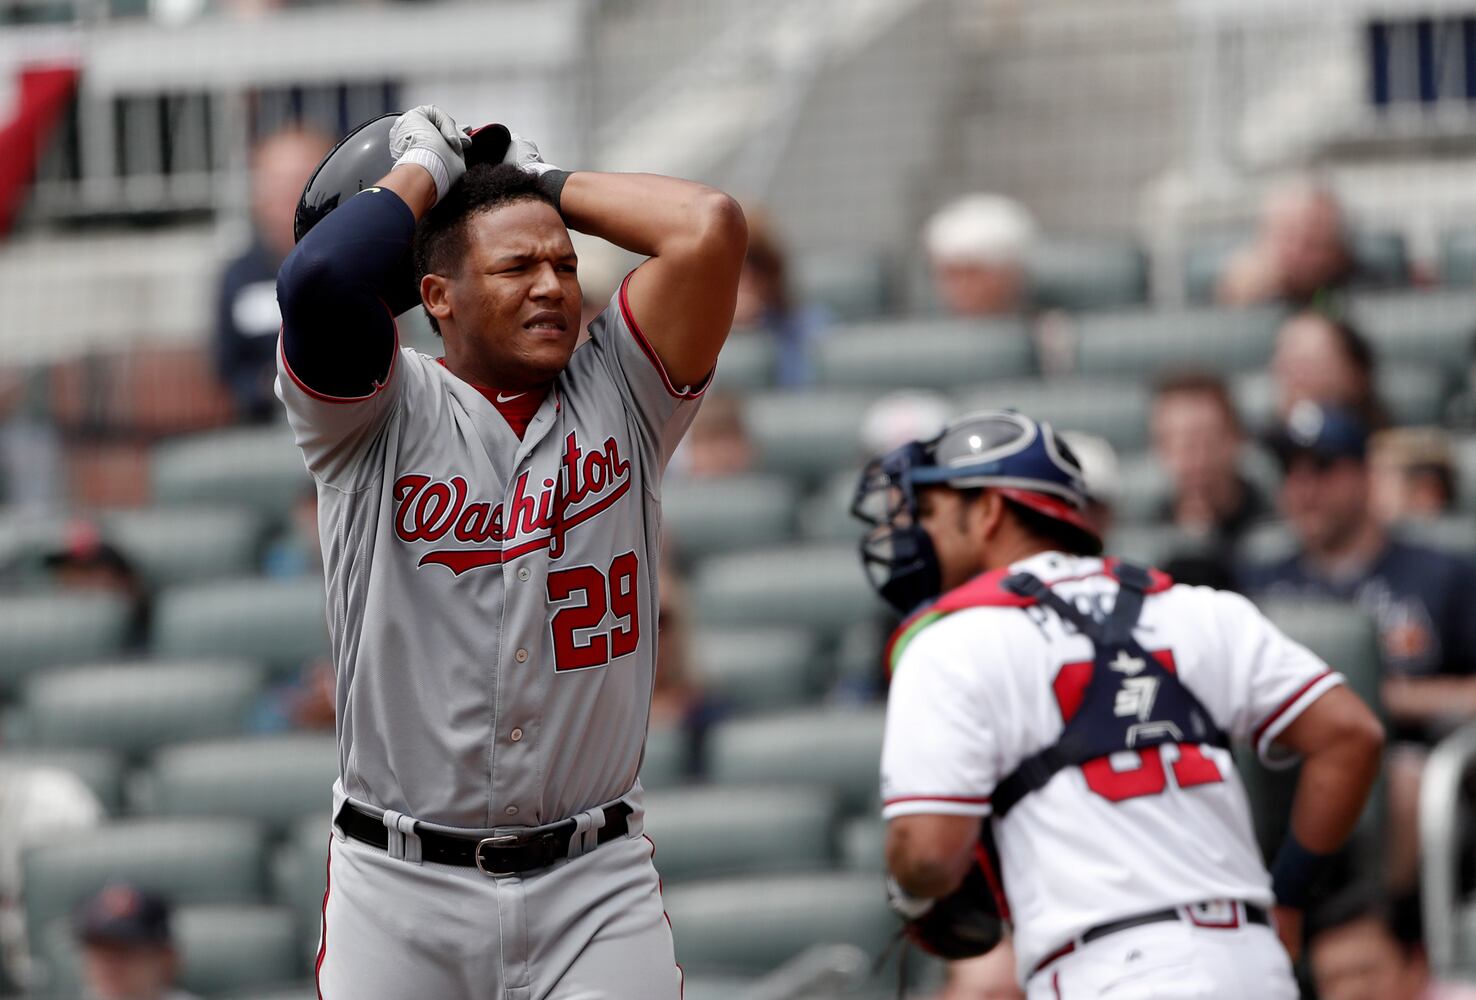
904,416
980,229
1099,466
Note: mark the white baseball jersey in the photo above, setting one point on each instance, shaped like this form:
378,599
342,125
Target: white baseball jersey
492,601
976,691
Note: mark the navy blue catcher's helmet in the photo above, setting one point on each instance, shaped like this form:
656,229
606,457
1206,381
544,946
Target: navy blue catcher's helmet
1000,450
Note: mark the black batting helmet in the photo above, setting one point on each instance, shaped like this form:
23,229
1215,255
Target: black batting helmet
359,160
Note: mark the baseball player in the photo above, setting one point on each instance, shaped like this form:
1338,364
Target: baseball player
1087,706
489,524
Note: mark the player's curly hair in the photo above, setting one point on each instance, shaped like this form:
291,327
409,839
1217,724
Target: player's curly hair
440,237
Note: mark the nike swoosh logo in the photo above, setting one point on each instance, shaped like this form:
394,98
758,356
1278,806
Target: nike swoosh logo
503,397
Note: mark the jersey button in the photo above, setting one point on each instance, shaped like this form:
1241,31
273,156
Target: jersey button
515,735
523,573
521,656
511,810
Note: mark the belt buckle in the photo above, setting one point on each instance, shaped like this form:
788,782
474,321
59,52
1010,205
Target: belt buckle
500,841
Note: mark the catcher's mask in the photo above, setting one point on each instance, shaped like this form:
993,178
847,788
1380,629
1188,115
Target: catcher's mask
1024,461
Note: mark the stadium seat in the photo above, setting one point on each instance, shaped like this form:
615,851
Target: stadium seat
852,285
1427,327
1114,409
720,830
299,875
834,746
668,757
1087,272
45,629
718,987
1272,541
133,708
818,586
808,435
1463,455
273,780
1153,544
1451,533
302,991
1458,257
187,860
825,515
1144,343
1381,256
1413,394
923,354
862,844
705,516
1143,488
222,948
754,668
748,361
183,545
100,770
755,923
257,467
280,623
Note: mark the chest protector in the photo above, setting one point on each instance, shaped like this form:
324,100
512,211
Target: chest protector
1131,701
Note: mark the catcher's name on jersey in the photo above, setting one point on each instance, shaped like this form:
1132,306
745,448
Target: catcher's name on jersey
429,509
978,690
492,599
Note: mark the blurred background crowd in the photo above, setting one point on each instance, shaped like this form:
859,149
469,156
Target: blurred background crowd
1229,246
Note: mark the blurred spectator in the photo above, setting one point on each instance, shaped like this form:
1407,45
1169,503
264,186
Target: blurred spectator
86,561
1300,254
1422,601
899,417
1414,476
677,699
1361,948
305,702
297,550
127,947
1198,440
246,316
37,803
1102,475
718,443
30,446
978,247
766,303
1326,361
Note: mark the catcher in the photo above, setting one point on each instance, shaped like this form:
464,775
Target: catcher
1087,706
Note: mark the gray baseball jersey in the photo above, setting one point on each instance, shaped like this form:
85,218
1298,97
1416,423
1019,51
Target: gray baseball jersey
492,601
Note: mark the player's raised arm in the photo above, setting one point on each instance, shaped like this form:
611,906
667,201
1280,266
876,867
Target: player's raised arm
338,335
695,237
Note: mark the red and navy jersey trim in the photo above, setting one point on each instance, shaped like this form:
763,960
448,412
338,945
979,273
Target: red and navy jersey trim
321,397
691,392
1285,706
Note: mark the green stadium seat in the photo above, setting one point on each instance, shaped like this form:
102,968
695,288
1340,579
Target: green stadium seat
808,435
818,586
1265,543
222,948
260,468
754,924
1458,257
273,780
1153,544
1112,409
923,354
1463,455
852,285
1143,343
182,545
717,987
1413,394
863,844
840,747
27,535
187,860
299,875
100,770
1451,533
756,668
706,516
133,708
825,516
280,623
46,629
748,361
302,991
1381,256
720,830
1427,327
1143,489
668,757
1087,272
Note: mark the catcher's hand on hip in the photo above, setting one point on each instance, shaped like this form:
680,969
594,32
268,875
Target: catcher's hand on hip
427,136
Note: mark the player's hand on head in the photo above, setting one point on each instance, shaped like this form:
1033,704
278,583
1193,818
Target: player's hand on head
427,136
522,152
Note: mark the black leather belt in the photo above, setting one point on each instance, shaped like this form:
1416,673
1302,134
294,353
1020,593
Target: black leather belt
509,854
1253,914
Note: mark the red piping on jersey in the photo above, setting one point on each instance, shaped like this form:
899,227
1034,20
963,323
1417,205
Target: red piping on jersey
970,800
1271,719
996,886
323,942
461,560
660,891
650,352
324,397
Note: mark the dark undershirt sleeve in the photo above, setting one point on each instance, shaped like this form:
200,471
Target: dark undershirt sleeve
338,336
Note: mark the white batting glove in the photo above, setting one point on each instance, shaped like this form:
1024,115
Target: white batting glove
427,136
905,904
523,153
